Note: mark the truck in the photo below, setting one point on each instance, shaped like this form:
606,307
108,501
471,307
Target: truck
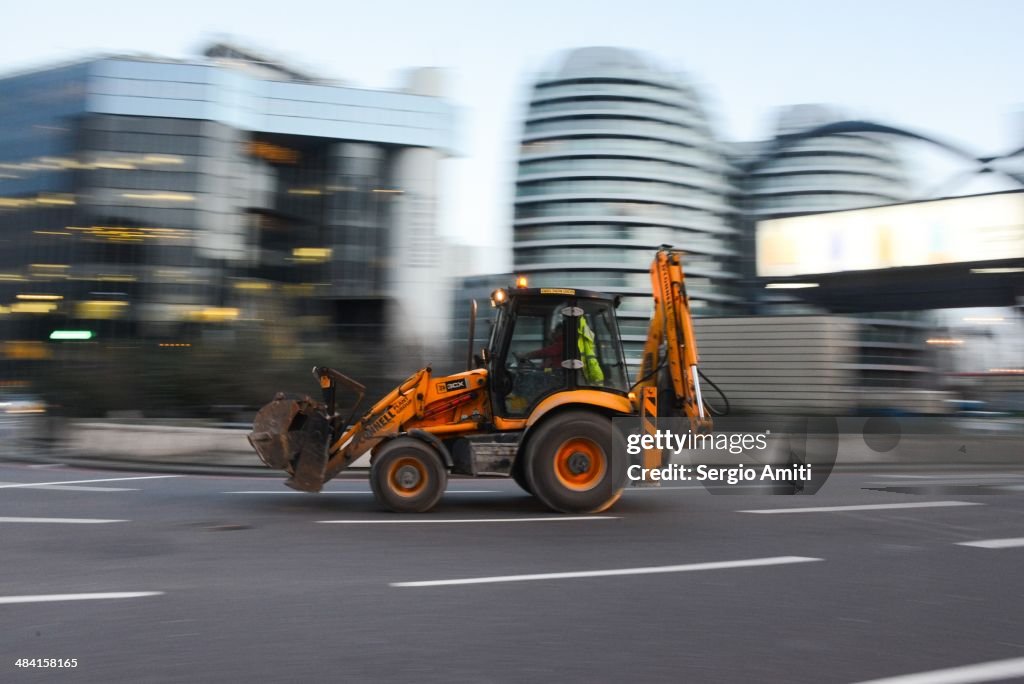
536,404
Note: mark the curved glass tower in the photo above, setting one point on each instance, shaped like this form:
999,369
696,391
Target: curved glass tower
825,173
834,172
617,158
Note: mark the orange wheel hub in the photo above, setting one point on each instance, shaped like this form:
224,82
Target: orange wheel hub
580,464
407,476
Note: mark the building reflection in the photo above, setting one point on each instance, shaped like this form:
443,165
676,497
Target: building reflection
204,206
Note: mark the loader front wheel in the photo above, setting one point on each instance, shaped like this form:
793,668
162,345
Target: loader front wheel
407,476
573,465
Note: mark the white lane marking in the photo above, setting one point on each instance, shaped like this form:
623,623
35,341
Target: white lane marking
43,598
77,488
83,488
276,491
994,670
925,483
704,487
919,477
47,465
720,565
864,507
994,543
67,521
661,489
69,482
950,478
404,521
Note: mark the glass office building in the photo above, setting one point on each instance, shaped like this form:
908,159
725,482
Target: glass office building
822,173
791,176
151,197
617,158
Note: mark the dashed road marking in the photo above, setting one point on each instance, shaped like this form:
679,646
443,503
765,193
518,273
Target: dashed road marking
929,482
694,487
361,492
660,489
429,521
908,477
976,475
691,567
864,507
45,598
77,488
61,521
992,671
71,482
994,543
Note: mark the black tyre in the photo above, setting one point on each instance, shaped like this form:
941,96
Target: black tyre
407,476
519,475
573,465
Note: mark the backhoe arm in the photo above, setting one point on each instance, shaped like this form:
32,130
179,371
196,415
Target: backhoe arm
671,331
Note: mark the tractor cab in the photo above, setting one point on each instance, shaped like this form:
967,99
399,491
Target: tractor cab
548,340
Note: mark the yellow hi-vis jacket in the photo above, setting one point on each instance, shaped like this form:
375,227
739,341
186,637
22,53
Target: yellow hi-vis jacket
588,353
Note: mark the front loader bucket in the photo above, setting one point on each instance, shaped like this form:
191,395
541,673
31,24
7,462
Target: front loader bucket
292,435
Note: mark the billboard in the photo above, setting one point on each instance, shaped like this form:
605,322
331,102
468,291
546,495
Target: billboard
960,229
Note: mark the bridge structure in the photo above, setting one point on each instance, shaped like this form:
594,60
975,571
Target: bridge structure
935,253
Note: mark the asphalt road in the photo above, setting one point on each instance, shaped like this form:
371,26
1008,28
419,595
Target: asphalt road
204,578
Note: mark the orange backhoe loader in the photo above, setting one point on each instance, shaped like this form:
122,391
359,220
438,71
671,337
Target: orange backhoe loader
536,404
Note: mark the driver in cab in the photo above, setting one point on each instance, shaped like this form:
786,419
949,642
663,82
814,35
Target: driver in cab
550,355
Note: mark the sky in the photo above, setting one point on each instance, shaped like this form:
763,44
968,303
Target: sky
951,69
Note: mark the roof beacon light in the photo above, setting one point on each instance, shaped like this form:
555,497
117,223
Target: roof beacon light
521,282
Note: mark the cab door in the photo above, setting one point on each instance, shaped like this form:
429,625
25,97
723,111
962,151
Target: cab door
535,358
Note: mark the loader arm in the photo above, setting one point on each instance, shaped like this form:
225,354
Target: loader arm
670,341
382,421
309,441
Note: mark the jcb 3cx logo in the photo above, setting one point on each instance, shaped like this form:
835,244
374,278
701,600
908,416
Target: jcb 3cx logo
451,386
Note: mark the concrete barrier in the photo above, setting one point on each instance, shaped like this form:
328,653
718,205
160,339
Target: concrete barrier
164,444
160,443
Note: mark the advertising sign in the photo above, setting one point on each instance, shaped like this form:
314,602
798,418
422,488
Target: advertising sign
961,229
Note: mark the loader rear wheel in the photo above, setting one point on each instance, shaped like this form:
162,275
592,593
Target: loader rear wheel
407,476
519,475
573,464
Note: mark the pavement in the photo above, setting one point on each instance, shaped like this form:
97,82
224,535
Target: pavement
170,577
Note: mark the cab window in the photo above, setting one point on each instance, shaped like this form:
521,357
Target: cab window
598,348
532,367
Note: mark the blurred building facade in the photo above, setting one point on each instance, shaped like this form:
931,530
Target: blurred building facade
168,201
155,198
617,158
792,175
824,173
